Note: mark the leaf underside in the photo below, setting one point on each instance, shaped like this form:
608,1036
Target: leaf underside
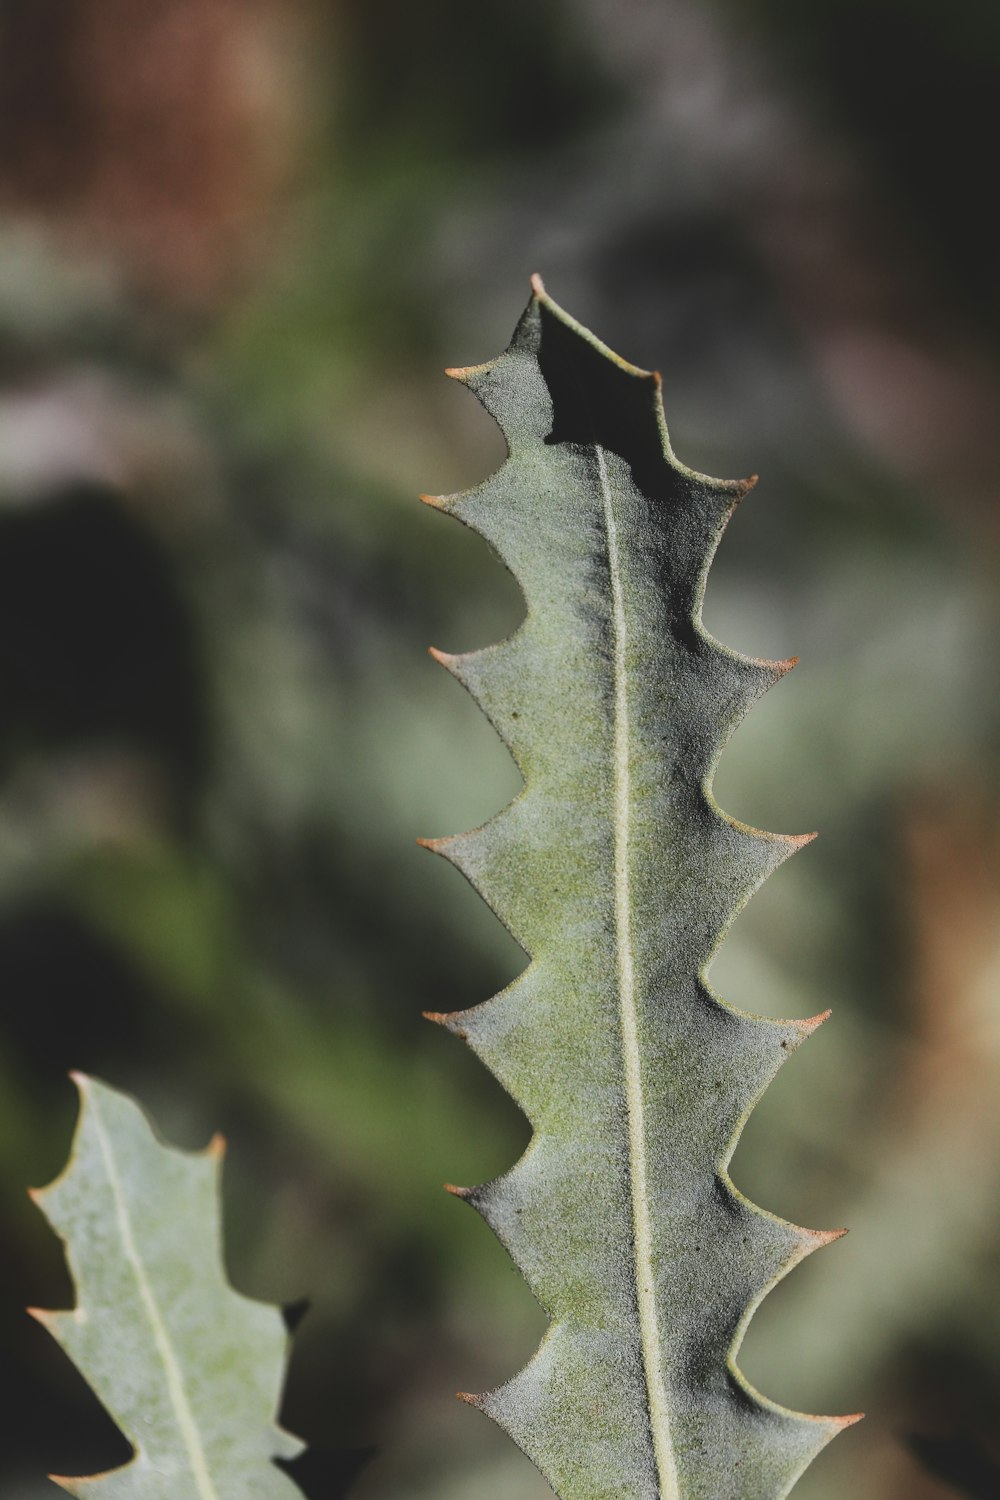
618,875
189,1369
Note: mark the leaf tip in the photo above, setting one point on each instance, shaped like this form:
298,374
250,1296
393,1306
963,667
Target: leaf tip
812,1023
448,1019
817,1239
40,1315
469,1399
436,502
779,668
469,374
216,1148
538,286
443,658
436,846
464,1193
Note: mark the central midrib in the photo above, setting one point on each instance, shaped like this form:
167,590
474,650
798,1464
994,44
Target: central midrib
659,1416
190,1436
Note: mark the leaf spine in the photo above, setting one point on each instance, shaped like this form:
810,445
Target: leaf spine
444,503
438,846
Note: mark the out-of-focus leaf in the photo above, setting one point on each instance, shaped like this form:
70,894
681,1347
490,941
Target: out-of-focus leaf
189,1369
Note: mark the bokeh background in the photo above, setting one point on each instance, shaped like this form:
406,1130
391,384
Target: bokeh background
239,240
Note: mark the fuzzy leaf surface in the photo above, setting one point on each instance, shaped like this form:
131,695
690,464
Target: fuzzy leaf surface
618,875
189,1369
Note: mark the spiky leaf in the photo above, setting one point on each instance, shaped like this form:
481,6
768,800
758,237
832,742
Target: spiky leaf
618,875
190,1370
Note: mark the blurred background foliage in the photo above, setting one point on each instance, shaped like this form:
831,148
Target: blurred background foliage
239,239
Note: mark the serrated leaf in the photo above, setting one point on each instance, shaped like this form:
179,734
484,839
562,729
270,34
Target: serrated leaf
618,875
189,1369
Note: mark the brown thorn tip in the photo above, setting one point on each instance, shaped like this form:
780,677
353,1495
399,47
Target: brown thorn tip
470,1400
40,1315
443,657
823,1237
457,1192
217,1146
843,1422
800,840
537,285
439,1017
435,501
80,1079
812,1023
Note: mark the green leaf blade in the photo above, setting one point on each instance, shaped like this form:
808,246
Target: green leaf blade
190,1370
619,876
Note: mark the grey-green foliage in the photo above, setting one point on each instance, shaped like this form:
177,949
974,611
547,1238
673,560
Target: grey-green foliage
618,874
189,1369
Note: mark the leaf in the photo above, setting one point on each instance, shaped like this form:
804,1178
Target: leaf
190,1370
618,875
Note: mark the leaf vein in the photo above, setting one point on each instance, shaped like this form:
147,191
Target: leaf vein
161,1338
659,1415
